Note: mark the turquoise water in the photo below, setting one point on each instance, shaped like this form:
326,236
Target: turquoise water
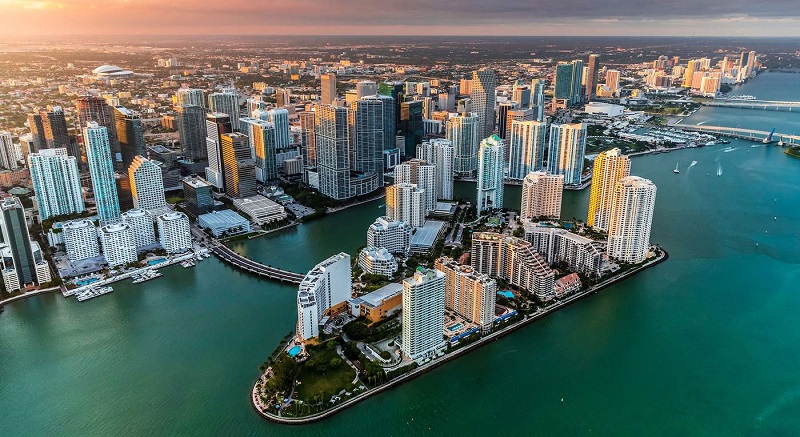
294,351
506,294
455,327
707,343
155,261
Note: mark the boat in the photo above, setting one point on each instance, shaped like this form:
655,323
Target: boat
146,276
187,263
93,292
676,168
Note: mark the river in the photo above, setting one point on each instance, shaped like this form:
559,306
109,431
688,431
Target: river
707,343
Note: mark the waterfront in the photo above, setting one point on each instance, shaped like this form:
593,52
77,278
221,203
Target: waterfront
704,344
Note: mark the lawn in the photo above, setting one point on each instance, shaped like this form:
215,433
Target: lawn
333,380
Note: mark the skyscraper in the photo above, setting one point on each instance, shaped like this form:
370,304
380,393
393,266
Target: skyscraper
491,169
423,175
131,134
56,183
326,286
328,88
537,99
217,124
119,244
513,260
19,261
503,110
238,167
521,95
332,136
411,126
568,82
612,81
439,152
197,192
483,99
566,150
366,88
591,75
526,148
8,152
226,102
423,314
262,140
50,131
308,147
463,131
406,203
141,224
147,184
174,232
541,196
280,118
191,122
92,108
609,167
512,116
366,119
101,169
190,97
631,219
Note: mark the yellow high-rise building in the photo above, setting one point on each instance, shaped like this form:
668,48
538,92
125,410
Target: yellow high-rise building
609,167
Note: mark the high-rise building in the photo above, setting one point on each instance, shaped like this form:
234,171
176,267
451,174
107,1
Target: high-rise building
217,124
197,196
526,148
226,102
328,86
190,97
513,260
366,88
557,245
366,142
308,147
541,196
591,75
174,232
423,314
410,125
439,152
8,152
483,99
19,261
119,245
238,168
503,110
691,67
130,133
632,207
406,203
463,131
95,109
393,235
612,81
147,184
191,123
332,134
566,151
388,110
80,239
521,95
50,131
491,169
568,82
468,293
377,261
512,116
323,290
423,175
141,224
609,167
537,99
263,142
56,183
101,169
280,119
465,87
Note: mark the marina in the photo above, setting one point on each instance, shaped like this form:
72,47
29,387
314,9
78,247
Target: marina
146,275
93,292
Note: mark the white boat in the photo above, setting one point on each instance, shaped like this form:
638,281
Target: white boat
92,293
187,263
676,168
146,276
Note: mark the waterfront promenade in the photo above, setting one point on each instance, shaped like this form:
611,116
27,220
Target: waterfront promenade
496,335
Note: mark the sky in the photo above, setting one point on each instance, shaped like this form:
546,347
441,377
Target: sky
402,17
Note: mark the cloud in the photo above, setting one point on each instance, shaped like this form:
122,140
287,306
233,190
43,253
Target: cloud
374,16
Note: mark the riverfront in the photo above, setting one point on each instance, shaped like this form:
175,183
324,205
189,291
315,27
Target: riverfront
704,344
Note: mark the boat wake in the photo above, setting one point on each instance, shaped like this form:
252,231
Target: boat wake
729,149
702,123
692,164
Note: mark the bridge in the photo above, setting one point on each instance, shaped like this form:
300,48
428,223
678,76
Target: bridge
768,105
747,134
231,257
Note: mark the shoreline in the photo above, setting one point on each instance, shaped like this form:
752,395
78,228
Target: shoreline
27,295
455,354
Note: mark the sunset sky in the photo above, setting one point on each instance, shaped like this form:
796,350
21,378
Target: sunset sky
419,17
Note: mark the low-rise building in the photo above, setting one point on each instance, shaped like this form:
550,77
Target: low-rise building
224,223
260,209
567,284
379,304
377,261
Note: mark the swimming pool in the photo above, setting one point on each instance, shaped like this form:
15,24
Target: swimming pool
507,294
455,327
153,262
294,351
86,281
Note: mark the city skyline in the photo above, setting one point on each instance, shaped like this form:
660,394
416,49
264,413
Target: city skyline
306,17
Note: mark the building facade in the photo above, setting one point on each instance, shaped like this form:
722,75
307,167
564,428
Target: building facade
566,151
423,314
469,294
631,218
609,167
440,153
174,232
119,245
101,169
56,182
147,184
541,196
406,203
491,172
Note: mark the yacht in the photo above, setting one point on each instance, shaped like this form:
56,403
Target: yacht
676,168
92,293
146,276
